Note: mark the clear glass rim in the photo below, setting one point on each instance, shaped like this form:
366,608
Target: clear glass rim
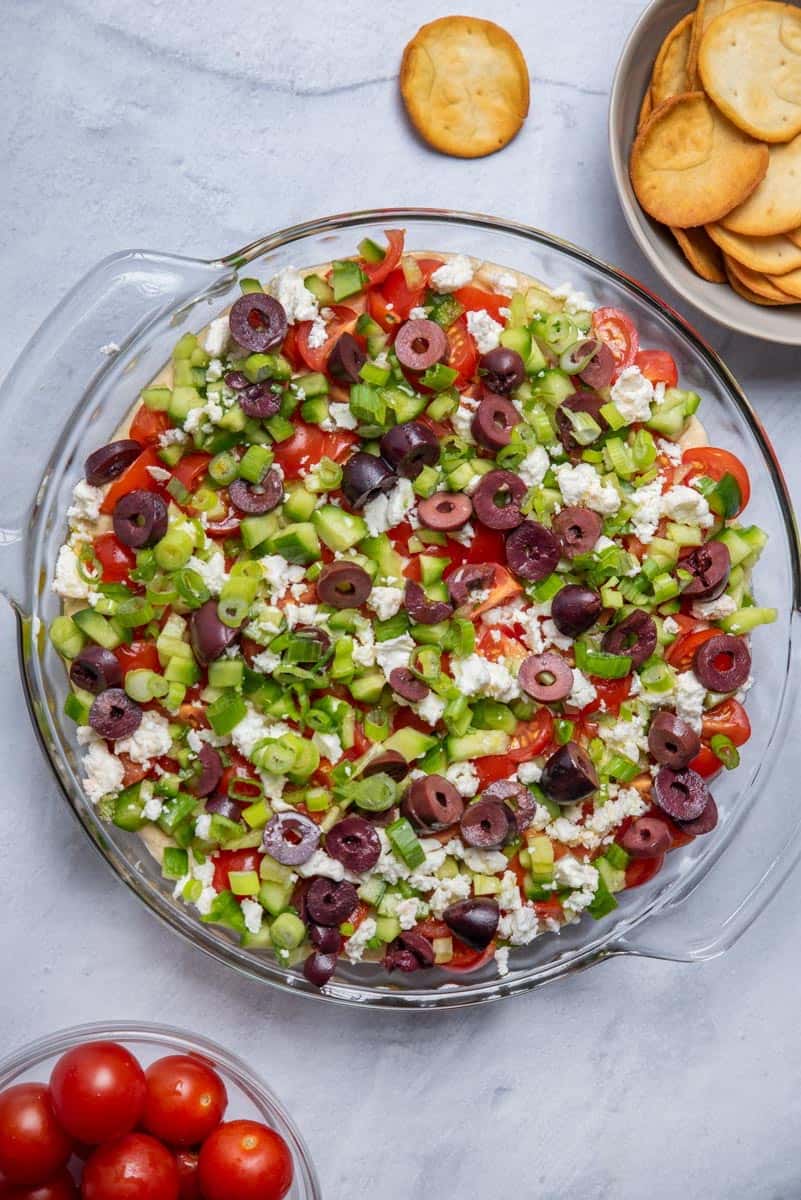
27,1057
602,946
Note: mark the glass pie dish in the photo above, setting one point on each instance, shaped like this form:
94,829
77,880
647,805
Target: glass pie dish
248,1097
85,368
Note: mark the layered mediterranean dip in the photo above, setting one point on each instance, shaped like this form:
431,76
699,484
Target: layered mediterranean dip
407,618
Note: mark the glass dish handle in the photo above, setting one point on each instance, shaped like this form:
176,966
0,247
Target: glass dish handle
713,911
93,325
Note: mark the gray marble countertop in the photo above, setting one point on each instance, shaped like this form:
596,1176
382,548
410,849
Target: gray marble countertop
194,128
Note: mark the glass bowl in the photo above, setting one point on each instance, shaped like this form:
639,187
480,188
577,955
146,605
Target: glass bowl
248,1097
107,339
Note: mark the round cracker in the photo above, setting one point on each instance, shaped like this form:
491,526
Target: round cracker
464,82
689,162
705,14
752,297
790,284
768,256
755,281
750,64
670,76
775,206
701,253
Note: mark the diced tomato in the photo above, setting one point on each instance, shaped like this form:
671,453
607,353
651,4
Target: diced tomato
531,737
611,692
360,912
233,860
308,445
474,299
248,787
706,763
612,326
728,718
191,469
394,300
640,870
134,478
377,272
714,462
466,959
316,357
488,546
290,348
138,656
549,908
116,560
492,768
497,642
132,772
147,425
680,654
463,354
658,366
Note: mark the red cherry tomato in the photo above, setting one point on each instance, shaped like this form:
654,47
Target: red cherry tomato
611,692
233,860
138,656
640,870
308,445
394,300
59,1187
473,299
191,469
315,357
98,1091
680,654
658,366
728,718
496,642
185,1101
245,1160
116,560
188,1181
465,959
147,425
377,272
135,477
612,326
549,908
33,1144
135,1167
531,737
714,462
707,764
463,354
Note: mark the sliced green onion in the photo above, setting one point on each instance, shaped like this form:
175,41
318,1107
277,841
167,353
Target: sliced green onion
376,793
405,843
439,377
598,662
224,468
724,749
226,712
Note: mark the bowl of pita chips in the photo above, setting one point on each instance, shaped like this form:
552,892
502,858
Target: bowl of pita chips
705,141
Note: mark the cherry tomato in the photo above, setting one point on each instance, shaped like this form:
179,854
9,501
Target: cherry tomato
147,425
612,326
714,462
138,656
496,642
116,560
394,300
98,1091
233,860
59,1187
658,366
316,357
135,477
185,1100
245,1160
611,692
463,354
135,1167
377,272
33,1144
491,768
474,299
680,654
531,737
308,445
707,764
488,546
465,959
188,1182
549,908
191,469
640,870
728,718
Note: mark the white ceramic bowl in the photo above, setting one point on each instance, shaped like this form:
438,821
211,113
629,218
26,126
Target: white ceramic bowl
717,300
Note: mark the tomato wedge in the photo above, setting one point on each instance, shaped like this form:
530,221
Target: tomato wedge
531,737
640,870
612,326
463,356
233,860
115,559
682,652
728,718
147,425
658,366
394,300
191,469
315,357
706,763
308,445
138,656
612,692
135,477
377,272
474,299
714,462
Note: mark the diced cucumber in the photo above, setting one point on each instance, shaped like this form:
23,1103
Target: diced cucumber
275,897
477,745
297,543
381,551
340,530
367,688
387,928
97,628
321,290
613,877
287,931
182,401
372,890
411,743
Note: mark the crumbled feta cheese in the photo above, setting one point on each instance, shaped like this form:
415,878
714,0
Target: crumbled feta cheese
456,273
103,772
212,570
385,601
582,485
529,772
519,927
569,872
533,468
304,614
364,647
254,728
356,944
279,574
160,474
627,803
329,745
574,300
484,330
214,370
647,503
253,913
172,437
476,675
341,417
67,581
462,419
321,863
500,280
205,900
203,826
670,626
632,395
217,336
394,653
502,960
686,505
387,510
153,807
551,636
671,450
151,740
291,292
430,709
690,696
418,313
464,777
318,334
86,501
407,912
625,737
485,862
582,692
448,891
109,349
464,536
714,610
266,662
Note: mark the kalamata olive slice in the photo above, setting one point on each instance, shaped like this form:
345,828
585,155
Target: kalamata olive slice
409,447
318,968
423,610
487,824
258,322
346,359
365,476
470,580
682,794
406,684
577,529
515,796
343,585
258,400
703,824
445,511
420,344
327,939
647,837
634,636
114,715
532,551
208,634
94,669
409,952
672,741
569,775
432,803
390,762
502,370
474,921
110,461
723,663
600,370
354,843
497,499
291,838
140,519
224,806
257,498
330,902
579,402
575,609
710,567
546,677
494,420
313,645
236,381
209,772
